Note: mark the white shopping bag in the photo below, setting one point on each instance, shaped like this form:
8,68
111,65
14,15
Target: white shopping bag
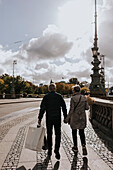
35,138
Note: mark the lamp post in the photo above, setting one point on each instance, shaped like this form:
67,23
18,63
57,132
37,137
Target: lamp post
13,85
102,72
96,87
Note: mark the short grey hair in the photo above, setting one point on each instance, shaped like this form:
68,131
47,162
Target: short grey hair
76,88
52,87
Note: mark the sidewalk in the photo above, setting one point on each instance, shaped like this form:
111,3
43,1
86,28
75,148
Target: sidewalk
13,154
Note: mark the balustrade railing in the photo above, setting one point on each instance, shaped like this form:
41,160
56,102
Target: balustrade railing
101,115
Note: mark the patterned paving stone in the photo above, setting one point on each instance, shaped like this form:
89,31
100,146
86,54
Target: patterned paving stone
101,146
43,161
4,129
12,159
13,156
77,162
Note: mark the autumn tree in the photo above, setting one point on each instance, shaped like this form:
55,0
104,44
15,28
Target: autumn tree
84,90
7,83
73,81
1,85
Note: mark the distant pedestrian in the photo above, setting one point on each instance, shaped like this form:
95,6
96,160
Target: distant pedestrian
77,118
4,95
52,104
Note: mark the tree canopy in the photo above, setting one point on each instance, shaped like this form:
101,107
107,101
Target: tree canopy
25,87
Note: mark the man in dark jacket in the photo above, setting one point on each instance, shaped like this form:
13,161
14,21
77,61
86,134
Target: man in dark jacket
52,103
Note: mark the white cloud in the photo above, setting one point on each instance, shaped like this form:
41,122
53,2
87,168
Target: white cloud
50,45
82,75
41,66
65,51
75,18
6,60
50,73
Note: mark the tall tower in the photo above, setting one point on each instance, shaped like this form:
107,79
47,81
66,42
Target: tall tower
96,88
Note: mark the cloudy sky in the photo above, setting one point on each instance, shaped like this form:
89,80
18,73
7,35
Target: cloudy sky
51,39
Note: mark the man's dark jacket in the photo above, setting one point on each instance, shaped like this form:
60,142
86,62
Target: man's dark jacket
52,103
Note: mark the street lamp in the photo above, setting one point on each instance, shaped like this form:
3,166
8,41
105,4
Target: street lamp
97,82
13,86
94,51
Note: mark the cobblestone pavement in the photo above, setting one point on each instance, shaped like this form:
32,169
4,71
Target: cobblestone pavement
43,161
76,160
7,126
13,156
102,147
12,159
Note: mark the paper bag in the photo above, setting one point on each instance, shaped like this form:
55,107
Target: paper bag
35,138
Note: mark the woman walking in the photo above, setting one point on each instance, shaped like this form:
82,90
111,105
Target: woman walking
77,118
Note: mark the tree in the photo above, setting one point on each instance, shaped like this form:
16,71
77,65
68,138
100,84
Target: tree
84,84
1,86
84,90
60,88
64,88
7,83
19,85
73,81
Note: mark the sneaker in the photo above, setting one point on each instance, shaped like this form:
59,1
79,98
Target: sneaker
84,150
57,155
75,149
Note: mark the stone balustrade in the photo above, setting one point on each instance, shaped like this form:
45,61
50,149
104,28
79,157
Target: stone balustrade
101,115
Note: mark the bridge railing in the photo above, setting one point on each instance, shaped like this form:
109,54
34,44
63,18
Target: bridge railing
101,115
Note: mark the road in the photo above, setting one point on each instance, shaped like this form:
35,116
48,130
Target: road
17,109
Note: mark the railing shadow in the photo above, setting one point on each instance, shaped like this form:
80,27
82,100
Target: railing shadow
21,168
107,141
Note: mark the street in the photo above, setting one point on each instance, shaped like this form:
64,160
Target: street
13,110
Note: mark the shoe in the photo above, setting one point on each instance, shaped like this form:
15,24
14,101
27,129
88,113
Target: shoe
84,150
49,153
57,155
75,149
44,147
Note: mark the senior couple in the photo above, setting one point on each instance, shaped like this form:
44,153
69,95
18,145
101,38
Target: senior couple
52,104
